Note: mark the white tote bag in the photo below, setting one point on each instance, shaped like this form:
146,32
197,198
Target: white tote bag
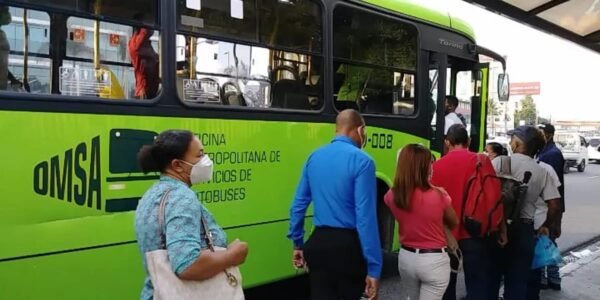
226,285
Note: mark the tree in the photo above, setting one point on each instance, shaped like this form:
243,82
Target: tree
493,108
527,113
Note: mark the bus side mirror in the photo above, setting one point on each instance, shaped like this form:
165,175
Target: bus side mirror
503,87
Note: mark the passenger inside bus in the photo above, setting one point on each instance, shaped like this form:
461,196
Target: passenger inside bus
375,62
281,69
145,61
5,19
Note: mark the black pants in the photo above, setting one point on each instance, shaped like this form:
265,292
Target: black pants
515,265
337,268
479,268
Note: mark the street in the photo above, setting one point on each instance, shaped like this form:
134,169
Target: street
581,220
581,223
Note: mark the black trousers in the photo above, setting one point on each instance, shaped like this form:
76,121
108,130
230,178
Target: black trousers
337,268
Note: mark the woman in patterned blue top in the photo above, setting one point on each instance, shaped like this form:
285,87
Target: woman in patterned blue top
179,156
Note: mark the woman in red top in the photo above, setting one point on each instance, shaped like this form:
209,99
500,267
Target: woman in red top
422,212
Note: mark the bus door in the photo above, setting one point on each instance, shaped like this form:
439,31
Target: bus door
480,83
468,82
435,99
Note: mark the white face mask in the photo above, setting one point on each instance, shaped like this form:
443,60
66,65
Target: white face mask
201,171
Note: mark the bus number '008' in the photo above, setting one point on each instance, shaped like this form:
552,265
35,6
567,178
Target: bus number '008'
381,141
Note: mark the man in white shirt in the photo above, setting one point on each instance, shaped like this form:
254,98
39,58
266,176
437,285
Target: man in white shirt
526,143
451,115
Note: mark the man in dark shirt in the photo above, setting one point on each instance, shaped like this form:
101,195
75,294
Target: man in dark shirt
339,179
553,156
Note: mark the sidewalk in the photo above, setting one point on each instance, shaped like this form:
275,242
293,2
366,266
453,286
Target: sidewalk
580,276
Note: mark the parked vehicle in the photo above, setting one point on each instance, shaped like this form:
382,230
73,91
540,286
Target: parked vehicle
594,149
574,148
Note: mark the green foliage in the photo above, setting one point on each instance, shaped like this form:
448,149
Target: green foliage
527,112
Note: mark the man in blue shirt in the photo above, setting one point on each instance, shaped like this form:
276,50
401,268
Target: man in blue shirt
553,156
339,179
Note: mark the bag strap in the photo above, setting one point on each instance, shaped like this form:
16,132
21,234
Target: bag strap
161,220
207,234
505,165
209,241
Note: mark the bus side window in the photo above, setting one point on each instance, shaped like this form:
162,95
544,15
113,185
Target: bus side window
128,60
14,64
375,60
92,58
281,69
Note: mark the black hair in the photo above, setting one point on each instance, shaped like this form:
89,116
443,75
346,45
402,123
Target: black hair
458,135
452,100
498,149
169,145
536,144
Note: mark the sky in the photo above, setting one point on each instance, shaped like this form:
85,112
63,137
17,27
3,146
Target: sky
569,74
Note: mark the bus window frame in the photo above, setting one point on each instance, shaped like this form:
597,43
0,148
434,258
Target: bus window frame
379,12
210,106
52,11
102,18
40,55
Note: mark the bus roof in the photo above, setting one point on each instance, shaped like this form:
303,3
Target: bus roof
414,9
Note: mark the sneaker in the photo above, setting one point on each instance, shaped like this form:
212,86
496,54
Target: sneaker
554,286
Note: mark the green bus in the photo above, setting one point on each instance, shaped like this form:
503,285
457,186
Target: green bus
260,82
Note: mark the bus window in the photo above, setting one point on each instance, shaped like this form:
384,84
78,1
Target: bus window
279,66
111,60
102,8
115,56
466,88
375,62
20,72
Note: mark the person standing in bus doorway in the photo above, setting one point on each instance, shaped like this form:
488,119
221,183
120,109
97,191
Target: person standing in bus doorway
145,61
423,213
453,172
343,253
451,116
552,156
179,156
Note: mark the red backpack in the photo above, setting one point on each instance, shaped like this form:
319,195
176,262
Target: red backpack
482,205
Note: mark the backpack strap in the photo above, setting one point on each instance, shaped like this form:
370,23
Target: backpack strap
505,165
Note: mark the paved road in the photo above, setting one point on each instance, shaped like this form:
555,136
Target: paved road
581,223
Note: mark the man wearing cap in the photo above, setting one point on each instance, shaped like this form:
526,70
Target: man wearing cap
526,142
552,156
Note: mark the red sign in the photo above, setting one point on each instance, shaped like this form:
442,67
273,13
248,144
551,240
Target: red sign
525,88
79,35
114,39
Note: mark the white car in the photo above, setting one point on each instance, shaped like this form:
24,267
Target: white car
574,148
594,149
